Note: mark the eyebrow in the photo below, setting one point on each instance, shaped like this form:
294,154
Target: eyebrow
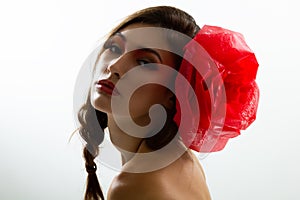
121,36
151,51
144,49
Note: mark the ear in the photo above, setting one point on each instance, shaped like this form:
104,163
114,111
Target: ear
170,100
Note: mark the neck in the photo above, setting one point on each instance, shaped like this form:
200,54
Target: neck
136,156
127,144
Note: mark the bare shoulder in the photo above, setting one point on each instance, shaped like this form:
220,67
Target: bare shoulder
175,182
138,186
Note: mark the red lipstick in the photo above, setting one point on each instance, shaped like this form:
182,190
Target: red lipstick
107,86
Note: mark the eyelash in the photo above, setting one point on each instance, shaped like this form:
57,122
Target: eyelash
114,48
148,64
142,60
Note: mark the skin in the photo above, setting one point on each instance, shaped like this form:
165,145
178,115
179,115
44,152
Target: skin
180,179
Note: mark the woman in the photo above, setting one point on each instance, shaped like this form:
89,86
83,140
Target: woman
135,76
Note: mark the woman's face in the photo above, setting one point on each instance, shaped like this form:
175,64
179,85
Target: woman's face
124,64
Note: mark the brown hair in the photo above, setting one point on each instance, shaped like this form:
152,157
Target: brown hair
93,122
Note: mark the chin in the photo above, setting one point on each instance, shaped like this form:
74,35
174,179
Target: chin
100,103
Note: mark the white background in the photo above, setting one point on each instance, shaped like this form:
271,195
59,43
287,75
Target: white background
42,47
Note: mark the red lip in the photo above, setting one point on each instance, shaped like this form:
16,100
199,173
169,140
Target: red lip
107,86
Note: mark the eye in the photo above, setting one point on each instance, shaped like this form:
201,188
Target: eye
143,62
147,64
113,47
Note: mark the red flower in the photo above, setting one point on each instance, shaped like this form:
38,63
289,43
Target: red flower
221,70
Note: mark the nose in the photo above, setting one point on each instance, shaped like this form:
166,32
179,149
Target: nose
113,68
117,66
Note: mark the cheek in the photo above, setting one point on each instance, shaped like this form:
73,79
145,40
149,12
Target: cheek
144,97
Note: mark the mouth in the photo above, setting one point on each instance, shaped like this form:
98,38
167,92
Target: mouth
107,87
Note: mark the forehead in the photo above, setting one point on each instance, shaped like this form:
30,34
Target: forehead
145,36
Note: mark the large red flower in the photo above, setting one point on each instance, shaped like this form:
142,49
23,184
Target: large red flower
221,70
